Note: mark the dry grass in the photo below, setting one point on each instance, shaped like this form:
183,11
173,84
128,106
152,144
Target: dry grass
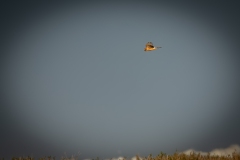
161,156
192,156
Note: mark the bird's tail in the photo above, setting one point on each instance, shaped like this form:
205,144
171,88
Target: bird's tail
158,47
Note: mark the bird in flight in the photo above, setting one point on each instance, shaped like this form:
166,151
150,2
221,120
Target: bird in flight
150,47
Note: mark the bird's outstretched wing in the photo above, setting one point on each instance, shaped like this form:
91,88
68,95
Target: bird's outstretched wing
149,45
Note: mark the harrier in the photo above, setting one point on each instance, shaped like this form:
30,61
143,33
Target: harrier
150,47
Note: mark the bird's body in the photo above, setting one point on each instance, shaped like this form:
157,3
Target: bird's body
150,47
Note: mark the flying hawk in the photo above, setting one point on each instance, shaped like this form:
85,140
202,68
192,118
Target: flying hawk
150,47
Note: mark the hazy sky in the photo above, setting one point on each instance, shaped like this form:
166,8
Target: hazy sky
75,77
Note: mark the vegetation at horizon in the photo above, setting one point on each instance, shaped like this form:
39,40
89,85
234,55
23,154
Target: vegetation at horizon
161,156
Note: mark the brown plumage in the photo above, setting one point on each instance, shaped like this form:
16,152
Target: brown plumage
150,47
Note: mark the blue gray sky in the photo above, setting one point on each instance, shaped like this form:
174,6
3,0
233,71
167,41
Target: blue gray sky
75,77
